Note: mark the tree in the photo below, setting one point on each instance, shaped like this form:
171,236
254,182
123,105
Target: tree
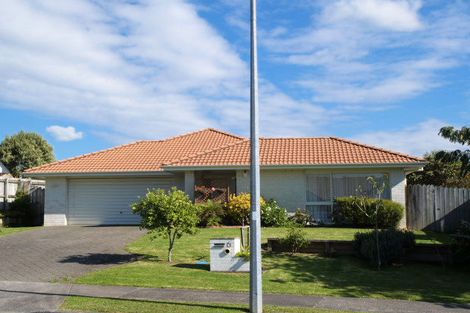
169,214
361,203
461,136
25,150
439,173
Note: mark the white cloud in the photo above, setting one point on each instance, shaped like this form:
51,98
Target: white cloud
415,140
133,70
396,15
64,133
374,51
136,70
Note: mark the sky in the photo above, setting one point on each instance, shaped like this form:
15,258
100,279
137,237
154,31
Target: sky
90,74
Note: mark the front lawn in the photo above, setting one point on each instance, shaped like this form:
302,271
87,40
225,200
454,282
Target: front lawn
85,304
300,274
12,230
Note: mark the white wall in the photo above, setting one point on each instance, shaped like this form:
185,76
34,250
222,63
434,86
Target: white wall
55,202
398,186
288,187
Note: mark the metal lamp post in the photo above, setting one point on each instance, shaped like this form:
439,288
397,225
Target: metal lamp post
256,291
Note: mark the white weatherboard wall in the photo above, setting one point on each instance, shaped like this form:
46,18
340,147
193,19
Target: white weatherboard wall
55,202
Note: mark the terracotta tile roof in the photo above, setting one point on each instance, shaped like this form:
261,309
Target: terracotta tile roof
141,156
296,151
210,147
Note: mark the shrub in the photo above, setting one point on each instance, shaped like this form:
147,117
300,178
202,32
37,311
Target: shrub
169,214
211,213
295,239
347,213
301,218
238,209
273,215
21,210
461,244
392,243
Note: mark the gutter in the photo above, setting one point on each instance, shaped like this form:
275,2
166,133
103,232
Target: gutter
98,174
411,166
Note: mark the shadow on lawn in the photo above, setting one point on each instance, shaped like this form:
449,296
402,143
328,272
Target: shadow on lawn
352,277
101,258
203,267
439,238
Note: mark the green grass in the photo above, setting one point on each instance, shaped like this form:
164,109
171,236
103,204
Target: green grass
85,304
300,274
4,231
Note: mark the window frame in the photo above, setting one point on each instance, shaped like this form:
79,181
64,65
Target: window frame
331,176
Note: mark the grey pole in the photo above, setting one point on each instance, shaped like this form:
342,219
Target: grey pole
256,291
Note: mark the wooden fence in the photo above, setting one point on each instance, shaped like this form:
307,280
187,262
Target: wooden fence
36,189
436,208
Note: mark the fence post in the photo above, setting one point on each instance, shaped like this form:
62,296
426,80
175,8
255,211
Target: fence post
5,194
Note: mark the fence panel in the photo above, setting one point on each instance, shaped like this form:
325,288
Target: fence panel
436,208
35,188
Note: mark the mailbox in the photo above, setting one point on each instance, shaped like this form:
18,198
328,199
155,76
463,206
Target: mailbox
224,256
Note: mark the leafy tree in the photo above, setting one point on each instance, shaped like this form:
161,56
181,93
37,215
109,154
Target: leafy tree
169,214
461,136
439,173
25,150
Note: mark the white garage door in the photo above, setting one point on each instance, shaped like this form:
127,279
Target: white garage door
108,201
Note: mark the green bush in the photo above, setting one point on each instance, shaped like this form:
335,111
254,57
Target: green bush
21,210
301,218
210,213
347,213
273,215
392,243
295,239
461,244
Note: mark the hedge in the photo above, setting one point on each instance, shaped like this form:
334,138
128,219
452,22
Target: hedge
347,213
392,245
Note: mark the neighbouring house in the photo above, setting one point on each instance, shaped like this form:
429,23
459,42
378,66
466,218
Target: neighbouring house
3,170
98,188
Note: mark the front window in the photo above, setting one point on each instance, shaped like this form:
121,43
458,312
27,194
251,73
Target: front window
322,189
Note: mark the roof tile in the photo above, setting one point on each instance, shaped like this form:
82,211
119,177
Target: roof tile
210,147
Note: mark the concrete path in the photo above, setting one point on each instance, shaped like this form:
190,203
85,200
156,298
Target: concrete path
53,253
53,295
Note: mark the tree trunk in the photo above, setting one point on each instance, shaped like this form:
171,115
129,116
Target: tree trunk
170,254
170,247
379,261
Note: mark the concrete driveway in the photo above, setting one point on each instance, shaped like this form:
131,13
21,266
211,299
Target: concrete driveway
54,253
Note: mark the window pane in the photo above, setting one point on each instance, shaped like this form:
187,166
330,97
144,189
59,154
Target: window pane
320,213
318,188
354,185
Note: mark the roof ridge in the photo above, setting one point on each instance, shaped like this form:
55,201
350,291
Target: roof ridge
202,130
280,138
185,158
376,148
87,154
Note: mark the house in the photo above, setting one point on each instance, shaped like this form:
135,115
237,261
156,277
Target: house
3,170
98,188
